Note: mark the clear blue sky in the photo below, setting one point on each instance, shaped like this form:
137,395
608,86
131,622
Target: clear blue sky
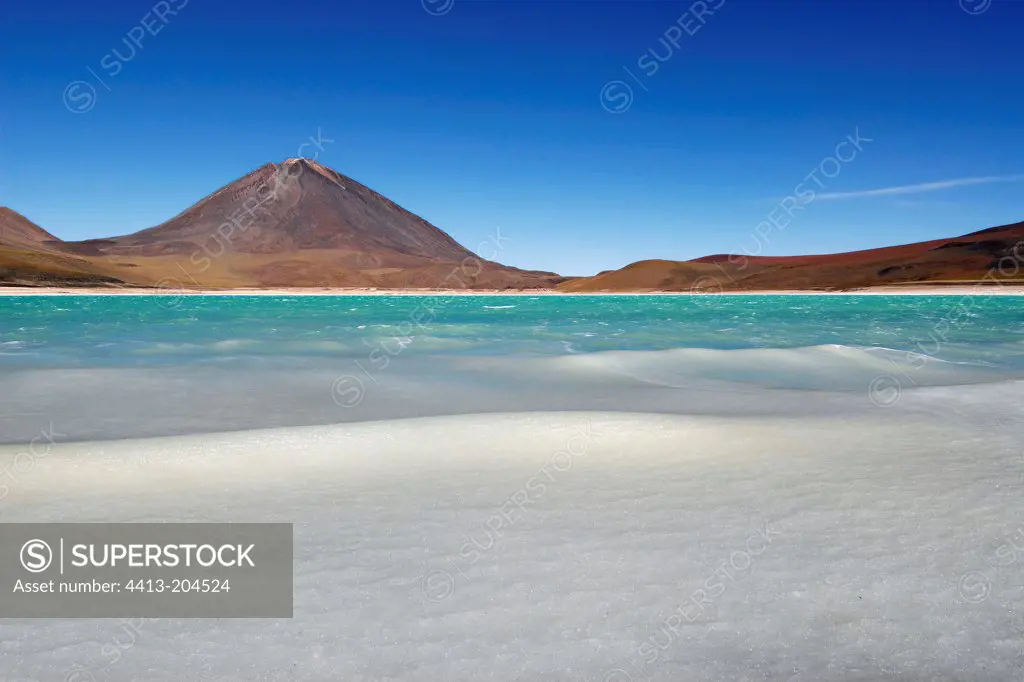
488,114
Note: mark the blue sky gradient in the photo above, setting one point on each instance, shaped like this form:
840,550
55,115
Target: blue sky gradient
485,115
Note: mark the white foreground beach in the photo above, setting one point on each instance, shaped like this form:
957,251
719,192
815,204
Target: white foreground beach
572,546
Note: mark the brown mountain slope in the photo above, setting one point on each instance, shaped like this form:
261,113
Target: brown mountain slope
296,224
301,224
41,267
288,207
18,231
992,254
29,255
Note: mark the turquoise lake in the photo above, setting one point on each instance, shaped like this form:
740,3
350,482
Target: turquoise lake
142,330
135,366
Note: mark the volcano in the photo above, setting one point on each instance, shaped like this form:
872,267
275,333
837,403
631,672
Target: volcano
293,224
301,224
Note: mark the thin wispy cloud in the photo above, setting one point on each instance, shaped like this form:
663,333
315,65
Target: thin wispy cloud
921,188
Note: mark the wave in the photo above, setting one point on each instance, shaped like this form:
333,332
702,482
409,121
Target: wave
246,391
821,367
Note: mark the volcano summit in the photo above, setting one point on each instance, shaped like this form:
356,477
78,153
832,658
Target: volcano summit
293,224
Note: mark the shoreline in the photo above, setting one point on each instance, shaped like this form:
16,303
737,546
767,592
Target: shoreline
888,290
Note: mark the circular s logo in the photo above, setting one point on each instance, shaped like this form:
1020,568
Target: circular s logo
884,390
36,556
175,293
79,674
438,585
616,97
975,6
437,8
974,587
706,291
79,97
368,261
348,391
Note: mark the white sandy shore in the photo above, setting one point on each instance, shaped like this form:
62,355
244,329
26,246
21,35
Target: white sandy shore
566,546
890,290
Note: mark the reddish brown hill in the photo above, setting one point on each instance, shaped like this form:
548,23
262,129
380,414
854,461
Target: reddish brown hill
996,252
301,224
18,231
297,224
31,255
293,206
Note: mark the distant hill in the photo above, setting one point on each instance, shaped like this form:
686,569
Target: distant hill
31,255
958,260
294,224
18,231
302,224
